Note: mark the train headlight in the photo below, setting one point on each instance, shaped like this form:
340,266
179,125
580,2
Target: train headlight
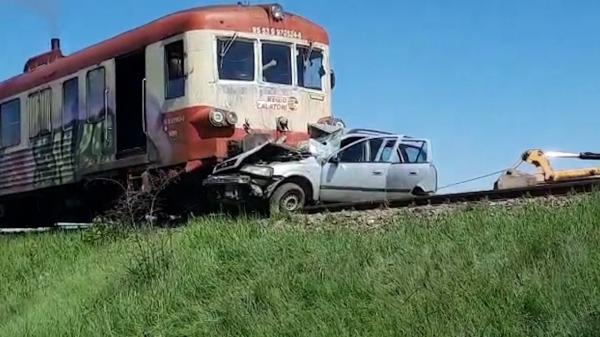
231,117
255,170
277,12
217,118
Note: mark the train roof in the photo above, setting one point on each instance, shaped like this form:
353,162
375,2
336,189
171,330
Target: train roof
53,65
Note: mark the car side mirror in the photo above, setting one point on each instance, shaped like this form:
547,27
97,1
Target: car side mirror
332,77
334,160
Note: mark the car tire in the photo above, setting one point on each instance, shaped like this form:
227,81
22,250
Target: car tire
418,192
287,198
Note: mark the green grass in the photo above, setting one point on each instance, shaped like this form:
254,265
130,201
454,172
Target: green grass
530,271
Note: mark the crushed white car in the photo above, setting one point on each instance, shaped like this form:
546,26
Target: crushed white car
336,165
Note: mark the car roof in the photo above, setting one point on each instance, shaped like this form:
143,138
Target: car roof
366,133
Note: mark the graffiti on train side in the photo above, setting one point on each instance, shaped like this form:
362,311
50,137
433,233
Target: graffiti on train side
95,142
59,155
53,157
68,153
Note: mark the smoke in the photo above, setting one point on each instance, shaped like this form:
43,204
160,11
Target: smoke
46,10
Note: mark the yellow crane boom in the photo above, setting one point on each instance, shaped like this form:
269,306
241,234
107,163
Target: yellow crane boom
546,174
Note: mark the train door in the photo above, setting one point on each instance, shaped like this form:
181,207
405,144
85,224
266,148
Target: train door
130,88
95,135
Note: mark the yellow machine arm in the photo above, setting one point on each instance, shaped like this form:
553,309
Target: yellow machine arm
540,160
546,174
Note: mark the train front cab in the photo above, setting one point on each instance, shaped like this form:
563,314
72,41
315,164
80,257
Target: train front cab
227,86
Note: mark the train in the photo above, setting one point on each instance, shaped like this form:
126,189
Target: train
181,93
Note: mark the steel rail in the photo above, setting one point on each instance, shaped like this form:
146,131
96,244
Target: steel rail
553,189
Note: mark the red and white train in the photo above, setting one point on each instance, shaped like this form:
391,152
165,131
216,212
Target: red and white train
185,91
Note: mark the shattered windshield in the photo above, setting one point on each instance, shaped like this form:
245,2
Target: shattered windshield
276,63
310,68
236,59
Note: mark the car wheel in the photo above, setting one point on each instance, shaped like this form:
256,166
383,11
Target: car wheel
417,191
288,197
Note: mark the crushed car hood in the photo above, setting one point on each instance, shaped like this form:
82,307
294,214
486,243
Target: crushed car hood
325,139
267,152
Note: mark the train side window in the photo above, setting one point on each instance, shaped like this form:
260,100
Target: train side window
235,59
40,113
10,123
70,107
96,91
310,68
276,63
175,70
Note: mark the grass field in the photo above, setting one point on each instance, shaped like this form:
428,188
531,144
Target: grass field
529,271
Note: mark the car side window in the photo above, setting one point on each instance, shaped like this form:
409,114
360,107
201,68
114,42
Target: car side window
387,153
413,154
354,154
374,146
348,141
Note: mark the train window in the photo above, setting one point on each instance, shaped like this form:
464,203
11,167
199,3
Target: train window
10,123
310,68
276,63
96,91
175,70
40,113
235,59
70,108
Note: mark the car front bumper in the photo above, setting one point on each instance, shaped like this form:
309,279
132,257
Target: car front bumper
233,187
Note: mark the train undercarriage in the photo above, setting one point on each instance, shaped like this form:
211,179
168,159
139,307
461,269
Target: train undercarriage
164,193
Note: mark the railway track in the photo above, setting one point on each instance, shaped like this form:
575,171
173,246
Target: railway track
554,189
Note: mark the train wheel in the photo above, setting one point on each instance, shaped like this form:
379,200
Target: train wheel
288,197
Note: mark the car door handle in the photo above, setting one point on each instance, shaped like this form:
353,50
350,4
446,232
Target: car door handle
413,173
377,173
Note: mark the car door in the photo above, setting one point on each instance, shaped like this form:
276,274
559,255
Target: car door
414,172
353,174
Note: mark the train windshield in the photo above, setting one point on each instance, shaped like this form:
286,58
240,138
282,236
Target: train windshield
310,68
236,59
276,63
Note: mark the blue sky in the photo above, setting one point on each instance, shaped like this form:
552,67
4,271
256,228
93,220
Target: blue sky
484,80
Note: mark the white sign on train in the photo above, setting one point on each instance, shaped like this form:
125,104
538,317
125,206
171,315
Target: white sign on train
287,33
280,103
